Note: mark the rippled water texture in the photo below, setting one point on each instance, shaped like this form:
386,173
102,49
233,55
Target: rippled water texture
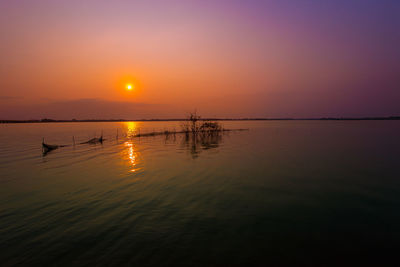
282,193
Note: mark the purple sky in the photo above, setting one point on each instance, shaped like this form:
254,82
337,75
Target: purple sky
287,58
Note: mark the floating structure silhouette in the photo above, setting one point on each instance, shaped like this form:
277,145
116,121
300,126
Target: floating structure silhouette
47,148
95,140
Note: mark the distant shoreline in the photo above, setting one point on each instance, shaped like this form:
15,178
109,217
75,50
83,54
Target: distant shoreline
213,119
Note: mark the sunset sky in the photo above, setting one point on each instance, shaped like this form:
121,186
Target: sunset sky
249,58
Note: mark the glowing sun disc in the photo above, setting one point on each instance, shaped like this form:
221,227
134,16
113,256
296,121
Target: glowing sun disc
129,87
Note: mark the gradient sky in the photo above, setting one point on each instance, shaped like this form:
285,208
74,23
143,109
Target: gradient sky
249,58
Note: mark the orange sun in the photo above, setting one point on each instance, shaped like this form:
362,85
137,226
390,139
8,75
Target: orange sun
129,87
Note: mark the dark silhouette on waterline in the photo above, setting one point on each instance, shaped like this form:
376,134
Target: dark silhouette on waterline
212,119
194,128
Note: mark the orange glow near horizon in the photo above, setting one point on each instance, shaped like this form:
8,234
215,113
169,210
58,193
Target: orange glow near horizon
267,59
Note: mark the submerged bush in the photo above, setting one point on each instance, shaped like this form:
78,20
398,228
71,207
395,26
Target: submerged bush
192,125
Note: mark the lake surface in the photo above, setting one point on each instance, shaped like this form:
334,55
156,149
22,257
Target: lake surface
282,193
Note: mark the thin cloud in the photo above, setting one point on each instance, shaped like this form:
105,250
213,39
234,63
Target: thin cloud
88,109
11,97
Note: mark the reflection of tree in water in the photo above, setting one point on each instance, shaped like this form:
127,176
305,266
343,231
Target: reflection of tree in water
195,143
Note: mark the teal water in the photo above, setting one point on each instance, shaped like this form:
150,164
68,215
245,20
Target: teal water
282,193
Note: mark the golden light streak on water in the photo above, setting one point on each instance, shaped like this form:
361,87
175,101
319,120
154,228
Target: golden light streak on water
131,128
131,155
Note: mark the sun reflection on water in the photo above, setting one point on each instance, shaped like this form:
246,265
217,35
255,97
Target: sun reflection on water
131,155
131,128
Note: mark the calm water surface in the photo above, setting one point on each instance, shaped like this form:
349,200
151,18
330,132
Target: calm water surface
282,193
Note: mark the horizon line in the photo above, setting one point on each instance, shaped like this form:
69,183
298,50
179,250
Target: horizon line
45,120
